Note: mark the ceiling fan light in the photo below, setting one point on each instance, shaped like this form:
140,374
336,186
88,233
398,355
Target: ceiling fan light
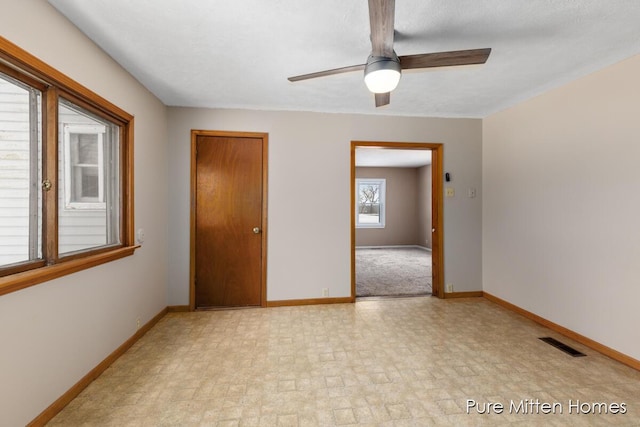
381,75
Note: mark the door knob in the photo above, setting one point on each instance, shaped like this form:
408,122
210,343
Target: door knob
256,230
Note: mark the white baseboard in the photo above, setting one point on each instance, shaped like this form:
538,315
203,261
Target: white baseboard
394,247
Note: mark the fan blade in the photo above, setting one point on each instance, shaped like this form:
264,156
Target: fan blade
445,59
383,99
327,73
381,17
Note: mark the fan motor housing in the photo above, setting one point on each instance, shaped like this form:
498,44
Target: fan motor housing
375,63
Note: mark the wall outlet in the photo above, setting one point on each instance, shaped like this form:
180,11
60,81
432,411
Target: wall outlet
325,292
138,323
448,288
449,192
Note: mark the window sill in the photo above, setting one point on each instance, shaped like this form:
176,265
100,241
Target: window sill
18,281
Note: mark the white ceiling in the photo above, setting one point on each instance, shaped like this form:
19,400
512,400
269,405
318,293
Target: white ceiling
392,157
238,54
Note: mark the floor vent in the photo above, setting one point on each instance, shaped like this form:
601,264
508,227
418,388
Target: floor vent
557,344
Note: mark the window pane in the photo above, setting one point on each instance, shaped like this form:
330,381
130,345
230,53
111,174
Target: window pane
20,173
370,208
87,148
90,185
89,197
369,212
84,163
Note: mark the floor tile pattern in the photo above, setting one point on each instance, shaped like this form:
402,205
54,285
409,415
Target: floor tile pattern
391,362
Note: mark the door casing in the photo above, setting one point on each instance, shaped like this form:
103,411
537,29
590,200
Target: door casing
192,247
437,209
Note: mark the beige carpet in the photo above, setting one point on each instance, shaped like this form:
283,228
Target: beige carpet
393,272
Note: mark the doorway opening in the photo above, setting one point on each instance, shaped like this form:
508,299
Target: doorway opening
396,219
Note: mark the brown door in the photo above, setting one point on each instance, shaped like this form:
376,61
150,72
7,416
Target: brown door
228,221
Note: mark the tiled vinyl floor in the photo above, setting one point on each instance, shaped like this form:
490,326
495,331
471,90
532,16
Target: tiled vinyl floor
392,362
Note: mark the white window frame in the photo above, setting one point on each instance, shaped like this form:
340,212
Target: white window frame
382,183
70,129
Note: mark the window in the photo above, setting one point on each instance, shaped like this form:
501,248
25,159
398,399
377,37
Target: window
66,177
20,171
370,212
84,167
88,149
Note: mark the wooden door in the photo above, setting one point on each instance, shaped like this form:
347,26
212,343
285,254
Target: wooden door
228,235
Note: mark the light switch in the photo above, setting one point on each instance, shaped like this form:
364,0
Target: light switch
450,192
472,193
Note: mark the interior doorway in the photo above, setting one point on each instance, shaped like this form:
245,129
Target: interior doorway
228,219
369,212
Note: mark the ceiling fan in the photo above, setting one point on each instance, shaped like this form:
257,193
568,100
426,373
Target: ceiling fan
383,67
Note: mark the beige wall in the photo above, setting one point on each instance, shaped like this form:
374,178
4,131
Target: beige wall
53,333
561,206
313,149
424,204
401,212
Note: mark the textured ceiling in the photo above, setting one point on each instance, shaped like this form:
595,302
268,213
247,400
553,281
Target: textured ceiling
238,54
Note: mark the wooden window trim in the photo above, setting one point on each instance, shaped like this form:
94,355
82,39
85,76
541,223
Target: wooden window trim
22,280
22,65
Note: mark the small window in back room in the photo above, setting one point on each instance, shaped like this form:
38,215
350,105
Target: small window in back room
370,209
